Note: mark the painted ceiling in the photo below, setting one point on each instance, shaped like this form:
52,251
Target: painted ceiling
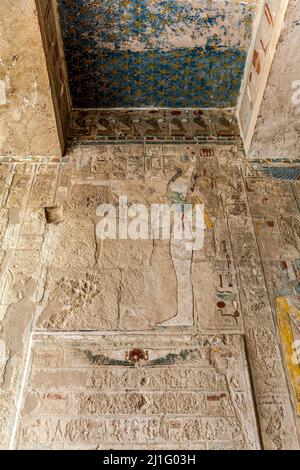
155,53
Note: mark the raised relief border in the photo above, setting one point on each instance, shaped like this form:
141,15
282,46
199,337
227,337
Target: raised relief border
154,126
123,392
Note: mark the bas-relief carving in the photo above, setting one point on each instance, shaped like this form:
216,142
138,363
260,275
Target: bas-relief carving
156,125
275,212
203,395
288,315
276,418
28,109
280,117
82,286
260,56
145,284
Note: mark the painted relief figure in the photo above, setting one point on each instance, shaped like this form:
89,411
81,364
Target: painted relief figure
149,228
288,316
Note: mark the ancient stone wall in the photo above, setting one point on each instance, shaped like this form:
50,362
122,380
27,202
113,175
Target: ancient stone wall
27,120
169,53
134,344
266,33
277,129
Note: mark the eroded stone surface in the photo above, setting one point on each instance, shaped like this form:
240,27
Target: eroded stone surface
277,128
95,394
136,295
27,121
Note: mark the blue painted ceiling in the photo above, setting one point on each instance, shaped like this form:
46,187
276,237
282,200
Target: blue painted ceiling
155,53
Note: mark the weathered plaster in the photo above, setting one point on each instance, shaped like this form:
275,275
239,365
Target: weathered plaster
79,317
277,130
146,53
96,381
137,344
266,32
161,125
27,120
